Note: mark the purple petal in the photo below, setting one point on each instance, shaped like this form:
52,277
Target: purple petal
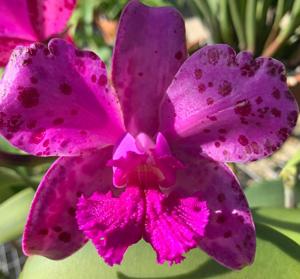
15,27
49,17
51,228
56,101
234,107
174,223
149,50
112,222
230,234
6,47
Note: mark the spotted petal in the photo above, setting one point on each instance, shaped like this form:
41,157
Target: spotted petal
230,234
235,107
112,221
51,228
149,50
56,101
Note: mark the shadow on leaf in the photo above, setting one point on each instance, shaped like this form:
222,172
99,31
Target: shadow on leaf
206,270
284,243
275,222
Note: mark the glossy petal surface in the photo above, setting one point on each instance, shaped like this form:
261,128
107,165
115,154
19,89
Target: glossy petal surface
112,222
230,234
56,101
49,17
149,50
234,107
174,223
51,228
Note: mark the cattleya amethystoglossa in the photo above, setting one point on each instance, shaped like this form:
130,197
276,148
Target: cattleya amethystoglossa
23,22
144,156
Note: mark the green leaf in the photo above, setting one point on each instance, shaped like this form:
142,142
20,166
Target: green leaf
276,254
10,183
267,194
250,25
13,214
286,221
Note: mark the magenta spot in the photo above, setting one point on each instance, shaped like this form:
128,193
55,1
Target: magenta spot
178,55
210,84
255,147
43,232
206,131
227,234
221,219
33,80
243,140
217,144
72,211
276,94
198,73
28,97
57,229
243,107
258,100
283,78
14,123
222,131
213,56
65,89
212,118
201,87
58,121
102,80
225,88
221,197
64,237
38,136
140,74
46,142
276,112
292,118
93,78
209,101
283,134
79,194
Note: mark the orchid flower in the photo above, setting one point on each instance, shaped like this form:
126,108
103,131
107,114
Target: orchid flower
23,22
144,156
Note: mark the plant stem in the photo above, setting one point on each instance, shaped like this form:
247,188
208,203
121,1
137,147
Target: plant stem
289,197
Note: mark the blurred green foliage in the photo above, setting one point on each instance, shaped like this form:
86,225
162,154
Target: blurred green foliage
264,27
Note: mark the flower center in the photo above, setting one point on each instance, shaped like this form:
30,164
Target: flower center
140,161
